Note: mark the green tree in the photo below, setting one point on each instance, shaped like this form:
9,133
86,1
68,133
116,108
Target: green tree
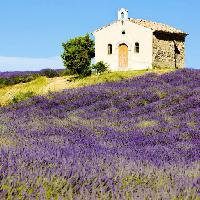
77,55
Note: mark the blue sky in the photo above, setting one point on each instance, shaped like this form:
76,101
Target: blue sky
32,31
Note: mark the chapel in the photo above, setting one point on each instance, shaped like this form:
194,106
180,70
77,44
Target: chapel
137,44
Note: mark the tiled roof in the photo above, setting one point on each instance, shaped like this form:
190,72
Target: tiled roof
157,27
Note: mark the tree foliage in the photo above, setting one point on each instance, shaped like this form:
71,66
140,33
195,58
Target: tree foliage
77,55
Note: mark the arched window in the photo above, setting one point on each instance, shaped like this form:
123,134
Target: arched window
109,49
122,15
137,47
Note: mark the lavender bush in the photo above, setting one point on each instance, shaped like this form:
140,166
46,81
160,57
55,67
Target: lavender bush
134,139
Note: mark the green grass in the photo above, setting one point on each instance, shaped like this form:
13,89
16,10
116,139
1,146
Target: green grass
43,85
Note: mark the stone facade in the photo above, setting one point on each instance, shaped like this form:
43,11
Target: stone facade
168,50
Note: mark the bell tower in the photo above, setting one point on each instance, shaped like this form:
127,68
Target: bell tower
122,14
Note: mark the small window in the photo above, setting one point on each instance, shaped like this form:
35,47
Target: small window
122,15
137,47
109,49
123,32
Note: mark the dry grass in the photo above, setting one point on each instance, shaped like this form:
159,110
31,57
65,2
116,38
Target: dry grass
5,142
43,85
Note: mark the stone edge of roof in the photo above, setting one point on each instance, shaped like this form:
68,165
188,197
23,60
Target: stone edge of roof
179,32
99,29
172,31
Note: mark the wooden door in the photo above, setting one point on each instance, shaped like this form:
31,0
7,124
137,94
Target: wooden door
123,56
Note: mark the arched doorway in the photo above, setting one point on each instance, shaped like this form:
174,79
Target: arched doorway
123,56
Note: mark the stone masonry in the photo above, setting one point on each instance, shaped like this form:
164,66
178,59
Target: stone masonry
168,50
168,44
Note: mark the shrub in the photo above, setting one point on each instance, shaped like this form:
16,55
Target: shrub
66,72
77,55
2,81
100,67
49,73
11,78
22,96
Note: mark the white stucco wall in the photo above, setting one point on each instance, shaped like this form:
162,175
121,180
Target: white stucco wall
112,34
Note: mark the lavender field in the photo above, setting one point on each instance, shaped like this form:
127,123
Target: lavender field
137,139
16,77
12,74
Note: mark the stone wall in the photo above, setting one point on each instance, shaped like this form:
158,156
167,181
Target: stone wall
168,50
